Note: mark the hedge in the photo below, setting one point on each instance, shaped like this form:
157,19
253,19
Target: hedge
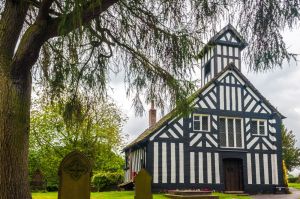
293,179
107,181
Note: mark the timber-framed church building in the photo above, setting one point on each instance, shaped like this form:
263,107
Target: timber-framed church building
231,141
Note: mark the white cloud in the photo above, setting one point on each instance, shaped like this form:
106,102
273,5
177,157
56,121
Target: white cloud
297,110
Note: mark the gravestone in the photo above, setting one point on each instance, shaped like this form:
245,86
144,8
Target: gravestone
74,177
38,181
142,184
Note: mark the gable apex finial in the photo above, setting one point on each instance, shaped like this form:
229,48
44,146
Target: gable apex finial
218,38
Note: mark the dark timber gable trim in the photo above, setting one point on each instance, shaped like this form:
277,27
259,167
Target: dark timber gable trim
176,114
241,43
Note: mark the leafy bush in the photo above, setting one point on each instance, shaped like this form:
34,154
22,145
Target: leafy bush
293,179
52,187
107,180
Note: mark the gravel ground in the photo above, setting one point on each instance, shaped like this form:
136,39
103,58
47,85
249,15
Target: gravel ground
295,195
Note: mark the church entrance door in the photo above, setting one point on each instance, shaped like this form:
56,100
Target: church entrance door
233,174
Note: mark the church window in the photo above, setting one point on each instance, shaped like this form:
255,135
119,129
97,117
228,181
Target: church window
201,122
231,134
222,132
207,68
259,127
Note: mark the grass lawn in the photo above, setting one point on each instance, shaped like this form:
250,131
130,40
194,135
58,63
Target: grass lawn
230,196
101,195
295,185
124,195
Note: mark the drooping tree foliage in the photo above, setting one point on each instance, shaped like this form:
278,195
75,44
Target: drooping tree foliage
154,43
71,46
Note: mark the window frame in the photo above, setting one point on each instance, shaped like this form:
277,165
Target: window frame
200,121
234,133
258,127
206,66
126,165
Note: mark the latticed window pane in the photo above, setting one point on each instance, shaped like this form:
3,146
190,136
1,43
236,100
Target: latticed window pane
254,127
207,68
238,140
230,133
262,128
222,132
238,126
196,125
196,122
205,123
222,125
223,139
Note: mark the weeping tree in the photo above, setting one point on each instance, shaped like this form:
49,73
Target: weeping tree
70,47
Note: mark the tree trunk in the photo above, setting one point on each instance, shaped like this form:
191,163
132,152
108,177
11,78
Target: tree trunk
15,94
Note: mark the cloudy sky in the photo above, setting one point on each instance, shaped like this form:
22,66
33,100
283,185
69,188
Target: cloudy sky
280,86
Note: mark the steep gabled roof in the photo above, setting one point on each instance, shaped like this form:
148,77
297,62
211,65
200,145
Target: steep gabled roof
175,112
218,39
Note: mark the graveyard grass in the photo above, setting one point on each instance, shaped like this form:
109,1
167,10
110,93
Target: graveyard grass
295,185
124,195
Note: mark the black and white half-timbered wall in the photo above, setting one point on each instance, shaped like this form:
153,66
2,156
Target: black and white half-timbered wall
231,141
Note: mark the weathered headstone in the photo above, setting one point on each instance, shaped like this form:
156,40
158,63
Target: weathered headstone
75,176
38,181
143,185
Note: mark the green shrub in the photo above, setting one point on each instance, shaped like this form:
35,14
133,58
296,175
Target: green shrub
293,179
52,186
107,180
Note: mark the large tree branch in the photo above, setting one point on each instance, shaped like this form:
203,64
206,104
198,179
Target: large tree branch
11,24
29,48
90,10
44,7
31,42
37,34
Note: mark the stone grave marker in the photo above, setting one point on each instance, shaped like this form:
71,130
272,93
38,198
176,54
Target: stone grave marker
74,177
142,184
38,181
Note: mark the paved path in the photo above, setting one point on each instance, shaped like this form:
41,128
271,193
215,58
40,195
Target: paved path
295,195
